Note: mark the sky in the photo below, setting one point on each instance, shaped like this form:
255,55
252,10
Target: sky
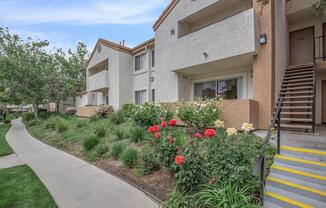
65,22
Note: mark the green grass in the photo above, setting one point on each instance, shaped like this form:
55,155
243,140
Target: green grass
4,146
20,188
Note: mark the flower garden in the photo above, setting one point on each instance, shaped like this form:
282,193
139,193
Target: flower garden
183,156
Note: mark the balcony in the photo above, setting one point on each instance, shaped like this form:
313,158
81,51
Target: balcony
99,82
231,37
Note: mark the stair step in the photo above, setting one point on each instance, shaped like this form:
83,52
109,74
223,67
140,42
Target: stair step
296,107
269,204
298,80
297,119
299,70
297,113
321,166
296,88
298,77
299,97
296,126
298,102
295,187
300,173
295,93
297,84
300,66
317,155
298,73
285,198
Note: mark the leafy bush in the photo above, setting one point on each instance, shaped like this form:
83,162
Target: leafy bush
117,117
149,160
137,134
28,116
7,121
100,131
94,118
80,123
178,200
33,122
51,123
199,114
101,149
71,110
116,150
104,110
129,157
90,143
149,114
62,126
43,113
128,109
119,133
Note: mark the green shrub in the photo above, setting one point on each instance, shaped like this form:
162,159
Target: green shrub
129,157
199,114
117,117
149,160
51,123
43,113
94,118
100,131
149,114
101,149
28,116
119,133
178,200
62,126
104,110
33,122
137,134
116,150
128,109
90,143
80,123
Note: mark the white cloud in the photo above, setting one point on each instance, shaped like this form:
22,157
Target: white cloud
23,12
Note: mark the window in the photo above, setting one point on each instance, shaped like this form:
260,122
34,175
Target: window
153,95
139,62
140,97
226,89
153,58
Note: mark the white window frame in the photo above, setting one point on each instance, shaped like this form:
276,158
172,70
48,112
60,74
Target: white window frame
142,61
144,96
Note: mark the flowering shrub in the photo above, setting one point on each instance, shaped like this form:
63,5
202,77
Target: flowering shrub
153,129
157,135
199,114
173,122
198,135
71,110
247,127
179,160
104,110
164,124
231,131
149,114
219,124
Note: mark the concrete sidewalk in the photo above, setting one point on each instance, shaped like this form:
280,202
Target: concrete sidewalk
72,182
9,161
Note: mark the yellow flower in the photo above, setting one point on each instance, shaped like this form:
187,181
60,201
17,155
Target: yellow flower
231,131
247,127
219,124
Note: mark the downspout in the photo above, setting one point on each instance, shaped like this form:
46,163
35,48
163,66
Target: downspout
149,89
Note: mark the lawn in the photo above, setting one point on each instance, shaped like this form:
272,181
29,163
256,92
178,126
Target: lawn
20,188
4,147
179,165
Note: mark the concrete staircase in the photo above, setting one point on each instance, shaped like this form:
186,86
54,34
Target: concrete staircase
297,179
298,92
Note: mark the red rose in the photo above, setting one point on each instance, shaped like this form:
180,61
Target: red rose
163,124
179,160
157,135
155,128
173,122
170,140
198,135
150,129
210,133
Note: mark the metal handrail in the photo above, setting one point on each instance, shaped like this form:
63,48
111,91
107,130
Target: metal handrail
319,48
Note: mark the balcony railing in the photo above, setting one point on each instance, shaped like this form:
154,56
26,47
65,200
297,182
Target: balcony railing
99,81
320,48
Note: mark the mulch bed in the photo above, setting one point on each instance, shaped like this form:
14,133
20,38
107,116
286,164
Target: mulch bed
158,184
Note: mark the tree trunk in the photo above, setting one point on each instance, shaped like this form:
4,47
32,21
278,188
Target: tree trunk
35,108
57,106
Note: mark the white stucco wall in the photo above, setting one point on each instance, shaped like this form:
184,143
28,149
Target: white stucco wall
81,100
233,36
125,78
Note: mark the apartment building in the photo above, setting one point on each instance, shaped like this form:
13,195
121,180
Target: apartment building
234,49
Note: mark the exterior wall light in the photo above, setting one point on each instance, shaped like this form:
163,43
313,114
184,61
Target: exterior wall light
262,39
172,31
205,54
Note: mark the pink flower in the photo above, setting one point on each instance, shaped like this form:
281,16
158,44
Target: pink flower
163,124
198,135
173,122
210,133
179,160
157,135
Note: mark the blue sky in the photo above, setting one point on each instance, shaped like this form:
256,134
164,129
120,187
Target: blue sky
65,22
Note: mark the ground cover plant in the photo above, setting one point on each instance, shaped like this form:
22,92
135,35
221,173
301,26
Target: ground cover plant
20,187
202,163
4,146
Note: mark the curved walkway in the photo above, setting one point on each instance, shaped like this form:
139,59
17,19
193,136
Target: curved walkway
72,182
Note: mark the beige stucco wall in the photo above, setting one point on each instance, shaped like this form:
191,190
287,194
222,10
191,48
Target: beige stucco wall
263,66
320,76
86,111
